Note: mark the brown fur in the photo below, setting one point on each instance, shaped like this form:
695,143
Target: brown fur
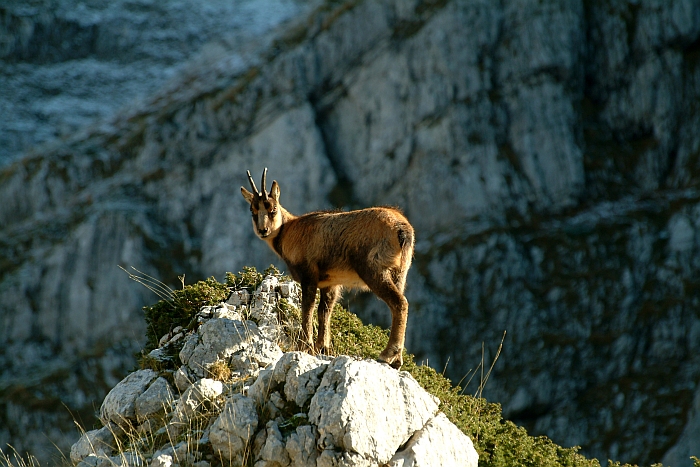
369,248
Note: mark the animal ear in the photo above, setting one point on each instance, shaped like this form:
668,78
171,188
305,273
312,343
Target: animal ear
247,195
275,191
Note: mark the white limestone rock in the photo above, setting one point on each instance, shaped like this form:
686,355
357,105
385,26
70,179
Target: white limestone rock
290,289
273,453
95,442
183,379
361,413
156,399
226,311
301,446
180,454
94,460
239,297
162,460
239,341
126,459
160,355
234,428
191,343
334,458
299,372
263,385
368,408
352,413
119,406
204,392
268,285
438,444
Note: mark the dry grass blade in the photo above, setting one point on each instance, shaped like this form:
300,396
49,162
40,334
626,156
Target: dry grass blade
151,283
484,379
15,459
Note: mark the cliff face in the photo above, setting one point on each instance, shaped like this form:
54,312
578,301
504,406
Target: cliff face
66,64
547,155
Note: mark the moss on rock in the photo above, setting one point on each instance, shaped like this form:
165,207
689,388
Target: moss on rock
499,442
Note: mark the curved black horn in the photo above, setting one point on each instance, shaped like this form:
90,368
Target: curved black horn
252,183
264,190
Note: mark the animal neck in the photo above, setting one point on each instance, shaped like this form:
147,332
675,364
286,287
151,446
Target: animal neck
286,215
273,241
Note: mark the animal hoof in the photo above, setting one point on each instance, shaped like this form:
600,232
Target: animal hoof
396,364
392,357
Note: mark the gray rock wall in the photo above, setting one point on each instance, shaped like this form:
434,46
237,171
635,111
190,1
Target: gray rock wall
546,153
65,63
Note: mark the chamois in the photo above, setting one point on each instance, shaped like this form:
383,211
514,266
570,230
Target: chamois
369,249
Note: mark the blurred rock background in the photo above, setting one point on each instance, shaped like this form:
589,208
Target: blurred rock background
546,152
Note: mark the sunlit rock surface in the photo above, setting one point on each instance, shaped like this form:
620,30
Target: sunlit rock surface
547,155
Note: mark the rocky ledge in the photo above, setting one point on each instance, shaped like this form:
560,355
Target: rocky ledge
237,399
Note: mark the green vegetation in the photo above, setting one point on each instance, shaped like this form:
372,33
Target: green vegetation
179,307
499,442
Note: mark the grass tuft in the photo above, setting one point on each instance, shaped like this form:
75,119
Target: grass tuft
179,307
15,459
220,371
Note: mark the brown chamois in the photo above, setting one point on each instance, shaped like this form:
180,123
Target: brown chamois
370,249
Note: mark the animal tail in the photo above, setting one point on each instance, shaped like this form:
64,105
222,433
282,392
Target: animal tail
406,242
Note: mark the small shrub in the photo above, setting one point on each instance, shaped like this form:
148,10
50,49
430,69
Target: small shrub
250,278
350,337
146,362
181,308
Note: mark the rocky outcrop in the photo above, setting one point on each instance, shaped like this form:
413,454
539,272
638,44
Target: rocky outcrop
299,410
547,155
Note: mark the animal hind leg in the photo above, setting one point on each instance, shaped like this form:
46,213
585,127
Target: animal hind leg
398,277
383,286
329,295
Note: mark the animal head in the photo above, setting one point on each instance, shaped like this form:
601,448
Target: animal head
264,207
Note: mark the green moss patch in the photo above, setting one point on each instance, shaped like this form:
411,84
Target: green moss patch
179,307
499,442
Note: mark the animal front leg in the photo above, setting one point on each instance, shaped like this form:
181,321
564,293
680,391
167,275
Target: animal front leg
308,300
329,295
